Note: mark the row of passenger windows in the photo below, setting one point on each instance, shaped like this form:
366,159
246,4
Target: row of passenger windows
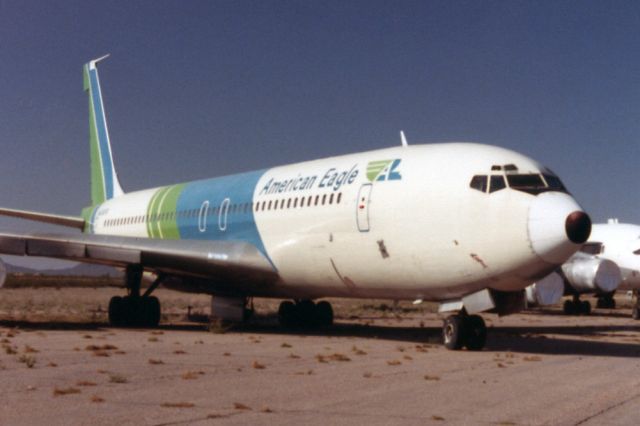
292,203
279,204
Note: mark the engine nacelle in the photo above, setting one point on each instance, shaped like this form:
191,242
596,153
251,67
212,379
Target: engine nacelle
592,274
547,291
3,273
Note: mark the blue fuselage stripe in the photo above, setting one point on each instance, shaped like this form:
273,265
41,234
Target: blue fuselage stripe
229,215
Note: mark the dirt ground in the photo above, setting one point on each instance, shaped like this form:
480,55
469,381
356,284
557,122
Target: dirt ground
61,364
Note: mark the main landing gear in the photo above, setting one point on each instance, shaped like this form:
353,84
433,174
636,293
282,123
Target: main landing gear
305,313
135,310
635,312
576,306
464,330
606,301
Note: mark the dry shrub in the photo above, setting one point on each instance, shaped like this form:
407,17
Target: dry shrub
394,362
29,350
178,405
85,383
258,366
434,378
192,375
65,391
240,406
116,378
155,361
97,399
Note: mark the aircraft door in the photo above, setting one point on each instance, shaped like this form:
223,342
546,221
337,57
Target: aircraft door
362,207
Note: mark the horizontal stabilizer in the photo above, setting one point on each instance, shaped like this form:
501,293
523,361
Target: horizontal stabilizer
70,221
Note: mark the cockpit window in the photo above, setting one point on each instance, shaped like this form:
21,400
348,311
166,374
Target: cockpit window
594,248
497,183
479,182
531,183
637,252
554,182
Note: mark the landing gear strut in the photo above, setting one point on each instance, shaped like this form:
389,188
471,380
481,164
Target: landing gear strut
635,312
464,330
576,306
305,313
135,310
606,301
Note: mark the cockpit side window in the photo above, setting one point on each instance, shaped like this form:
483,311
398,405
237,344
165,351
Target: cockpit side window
636,252
497,183
554,182
593,248
479,182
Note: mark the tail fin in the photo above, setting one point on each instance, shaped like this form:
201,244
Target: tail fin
104,180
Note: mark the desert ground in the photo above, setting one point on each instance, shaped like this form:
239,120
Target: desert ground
61,363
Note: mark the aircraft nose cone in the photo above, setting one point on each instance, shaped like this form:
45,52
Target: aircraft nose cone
578,227
557,226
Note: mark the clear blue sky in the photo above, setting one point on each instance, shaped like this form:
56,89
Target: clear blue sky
198,89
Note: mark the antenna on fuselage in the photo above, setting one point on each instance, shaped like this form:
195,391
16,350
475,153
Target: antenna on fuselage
403,139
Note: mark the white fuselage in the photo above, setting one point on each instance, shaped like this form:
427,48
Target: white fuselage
400,223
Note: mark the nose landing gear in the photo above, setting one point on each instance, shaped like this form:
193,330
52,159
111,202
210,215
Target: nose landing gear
464,330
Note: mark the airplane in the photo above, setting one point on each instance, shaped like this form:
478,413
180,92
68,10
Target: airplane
463,224
608,261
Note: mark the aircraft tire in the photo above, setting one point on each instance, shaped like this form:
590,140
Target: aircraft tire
584,307
287,313
307,313
475,332
569,307
116,311
635,312
152,311
324,314
453,332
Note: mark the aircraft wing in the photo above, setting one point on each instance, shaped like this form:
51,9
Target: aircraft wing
217,262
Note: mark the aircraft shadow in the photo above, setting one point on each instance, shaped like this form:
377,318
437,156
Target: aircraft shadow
529,339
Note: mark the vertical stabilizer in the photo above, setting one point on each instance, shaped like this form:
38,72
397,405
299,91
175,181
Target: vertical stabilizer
104,180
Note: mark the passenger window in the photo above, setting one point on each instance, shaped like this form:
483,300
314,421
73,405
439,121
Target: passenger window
289,203
479,182
497,183
324,198
317,198
295,202
339,198
331,199
309,200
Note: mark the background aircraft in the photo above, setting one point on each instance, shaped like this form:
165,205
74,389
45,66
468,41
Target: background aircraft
467,225
609,260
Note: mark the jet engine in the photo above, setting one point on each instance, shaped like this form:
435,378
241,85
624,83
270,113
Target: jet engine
3,273
592,275
547,291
